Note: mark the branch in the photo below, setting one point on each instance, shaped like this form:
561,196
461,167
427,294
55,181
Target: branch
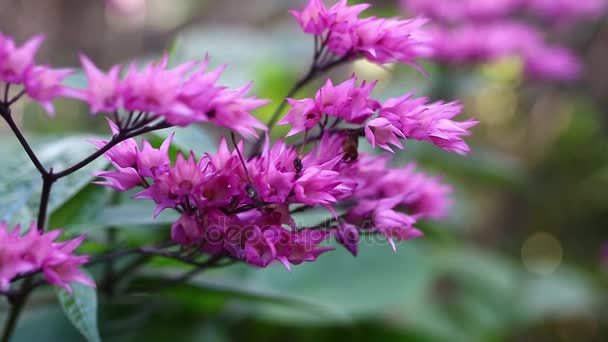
116,139
6,114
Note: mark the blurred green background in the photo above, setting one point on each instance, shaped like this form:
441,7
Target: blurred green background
519,258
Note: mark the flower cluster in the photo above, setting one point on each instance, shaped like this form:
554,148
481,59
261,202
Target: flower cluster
507,31
243,208
397,118
380,40
40,82
562,11
181,95
37,251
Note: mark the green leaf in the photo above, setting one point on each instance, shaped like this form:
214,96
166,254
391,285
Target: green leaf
223,287
81,208
20,182
81,309
337,287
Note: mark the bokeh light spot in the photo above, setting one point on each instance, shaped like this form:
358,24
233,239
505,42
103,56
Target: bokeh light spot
541,254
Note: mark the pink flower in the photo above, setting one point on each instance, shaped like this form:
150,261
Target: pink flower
391,40
15,61
567,11
186,231
314,186
124,154
379,40
313,19
124,179
552,63
103,92
347,100
198,92
38,252
231,110
381,132
185,177
155,89
348,236
304,244
395,226
152,162
43,84
302,116
429,122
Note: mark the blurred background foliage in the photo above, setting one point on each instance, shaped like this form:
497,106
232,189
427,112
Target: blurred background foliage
518,259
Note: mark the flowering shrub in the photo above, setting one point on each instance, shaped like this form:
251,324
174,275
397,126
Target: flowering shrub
237,204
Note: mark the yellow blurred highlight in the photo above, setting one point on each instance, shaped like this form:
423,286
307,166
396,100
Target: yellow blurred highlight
371,71
506,70
495,104
541,254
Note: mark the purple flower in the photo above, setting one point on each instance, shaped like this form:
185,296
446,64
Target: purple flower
152,162
380,40
552,63
347,100
186,231
155,89
123,179
124,154
381,132
429,122
348,236
314,186
231,110
43,84
103,91
37,251
16,61
302,116
313,19
304,244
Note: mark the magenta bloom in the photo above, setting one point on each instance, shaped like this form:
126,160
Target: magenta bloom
302,116
186,231
305,245
153,162
510,29
16,61
103,92
314,19
429,122
380,40
181,96
230,109
124,154
43,84
381,132
552,63
39,252
347,100
348,236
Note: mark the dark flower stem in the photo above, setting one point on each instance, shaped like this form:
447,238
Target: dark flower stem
6,114
47,184
18,302
316,69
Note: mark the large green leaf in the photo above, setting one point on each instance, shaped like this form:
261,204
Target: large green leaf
337,287
80,307
81,208
20,182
